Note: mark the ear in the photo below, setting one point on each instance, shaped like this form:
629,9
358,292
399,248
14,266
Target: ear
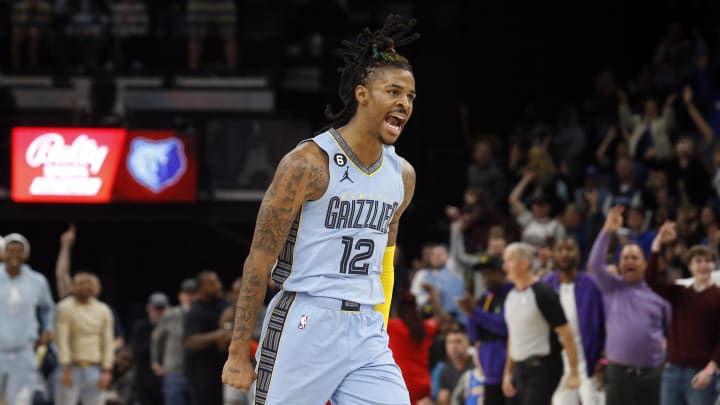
361,94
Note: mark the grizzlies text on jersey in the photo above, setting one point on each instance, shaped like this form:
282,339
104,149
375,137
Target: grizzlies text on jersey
336,244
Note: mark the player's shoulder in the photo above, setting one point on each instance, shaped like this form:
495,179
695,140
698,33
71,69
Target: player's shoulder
407,168
306,156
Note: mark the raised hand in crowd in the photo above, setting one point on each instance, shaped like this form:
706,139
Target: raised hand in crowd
666,234
453,213
614,219
62,266
687,94
68,237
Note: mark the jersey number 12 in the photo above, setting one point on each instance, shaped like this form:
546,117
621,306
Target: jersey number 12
360,250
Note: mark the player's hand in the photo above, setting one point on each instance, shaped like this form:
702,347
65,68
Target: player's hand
614,220
701,380
238,372
508,389
67,380
573,381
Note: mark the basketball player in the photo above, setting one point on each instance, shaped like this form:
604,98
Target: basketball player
330,219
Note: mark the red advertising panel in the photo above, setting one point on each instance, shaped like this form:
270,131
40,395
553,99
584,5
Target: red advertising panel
74,165
158,166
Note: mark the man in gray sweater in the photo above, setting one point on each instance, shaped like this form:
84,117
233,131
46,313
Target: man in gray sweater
167,350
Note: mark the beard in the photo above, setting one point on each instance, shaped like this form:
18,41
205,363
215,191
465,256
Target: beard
569,267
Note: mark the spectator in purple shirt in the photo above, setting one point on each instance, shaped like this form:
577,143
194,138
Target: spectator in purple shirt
486,326
635,321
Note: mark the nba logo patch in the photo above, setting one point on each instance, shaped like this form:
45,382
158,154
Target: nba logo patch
303,322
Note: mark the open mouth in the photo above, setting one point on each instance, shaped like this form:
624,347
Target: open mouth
394,123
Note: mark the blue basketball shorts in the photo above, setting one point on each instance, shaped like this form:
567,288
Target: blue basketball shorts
315,349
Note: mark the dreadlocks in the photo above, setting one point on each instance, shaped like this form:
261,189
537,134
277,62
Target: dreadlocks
370,51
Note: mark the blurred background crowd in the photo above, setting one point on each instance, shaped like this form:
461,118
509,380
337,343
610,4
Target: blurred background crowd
529,128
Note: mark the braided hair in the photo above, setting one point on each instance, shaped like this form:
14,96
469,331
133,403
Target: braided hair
370,50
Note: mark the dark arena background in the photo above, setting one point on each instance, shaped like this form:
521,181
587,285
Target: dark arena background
528,78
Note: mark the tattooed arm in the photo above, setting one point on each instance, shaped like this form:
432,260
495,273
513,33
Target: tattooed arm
301,175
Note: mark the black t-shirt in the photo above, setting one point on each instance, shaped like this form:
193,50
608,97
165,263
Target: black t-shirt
449,375
204,366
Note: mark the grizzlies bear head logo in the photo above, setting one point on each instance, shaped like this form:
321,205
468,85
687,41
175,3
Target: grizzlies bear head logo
157,164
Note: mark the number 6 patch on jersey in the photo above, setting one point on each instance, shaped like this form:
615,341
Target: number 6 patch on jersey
340,159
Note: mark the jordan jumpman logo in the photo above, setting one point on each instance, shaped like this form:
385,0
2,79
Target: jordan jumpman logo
346,176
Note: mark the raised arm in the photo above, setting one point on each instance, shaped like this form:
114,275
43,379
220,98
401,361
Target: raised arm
596,263
301,175
627,121
516,205
668,112
601,152
457,250
697,118
62,265
662,287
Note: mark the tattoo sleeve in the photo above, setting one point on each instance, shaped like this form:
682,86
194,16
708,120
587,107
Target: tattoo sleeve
299,177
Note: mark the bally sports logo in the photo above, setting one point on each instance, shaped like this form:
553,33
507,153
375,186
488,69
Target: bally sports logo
79,163
69,164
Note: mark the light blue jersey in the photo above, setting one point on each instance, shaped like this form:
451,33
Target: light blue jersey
336,244
322,338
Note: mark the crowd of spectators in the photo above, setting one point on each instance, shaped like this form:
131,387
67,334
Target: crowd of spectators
613,207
